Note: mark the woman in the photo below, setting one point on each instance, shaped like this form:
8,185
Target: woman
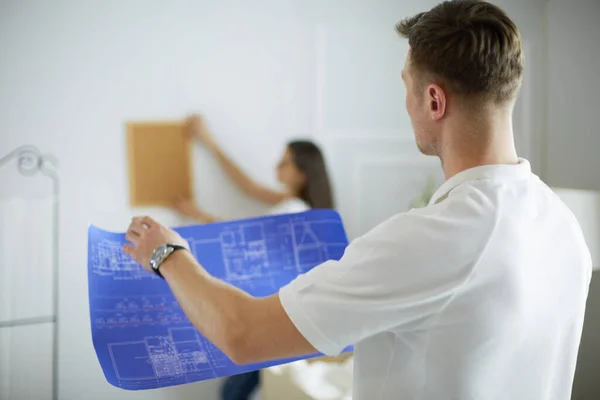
301,170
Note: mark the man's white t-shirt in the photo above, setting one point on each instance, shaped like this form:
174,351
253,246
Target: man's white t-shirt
479,295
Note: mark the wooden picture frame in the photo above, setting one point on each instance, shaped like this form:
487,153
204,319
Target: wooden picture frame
160,163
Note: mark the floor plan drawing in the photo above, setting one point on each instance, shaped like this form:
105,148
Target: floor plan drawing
181,353
141,335
109,260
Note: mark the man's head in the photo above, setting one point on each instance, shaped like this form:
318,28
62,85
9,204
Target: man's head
465,59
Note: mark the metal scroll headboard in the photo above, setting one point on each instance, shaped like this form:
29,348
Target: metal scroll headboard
30,162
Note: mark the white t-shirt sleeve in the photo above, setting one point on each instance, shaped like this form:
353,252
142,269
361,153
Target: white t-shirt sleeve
387,279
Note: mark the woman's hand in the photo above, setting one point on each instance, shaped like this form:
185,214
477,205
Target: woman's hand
187,207
198,129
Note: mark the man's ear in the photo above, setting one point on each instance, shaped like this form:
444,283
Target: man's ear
437,102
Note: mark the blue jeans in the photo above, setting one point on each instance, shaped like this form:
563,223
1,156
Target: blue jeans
240,387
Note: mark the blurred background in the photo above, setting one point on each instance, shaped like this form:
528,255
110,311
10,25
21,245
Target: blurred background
73,72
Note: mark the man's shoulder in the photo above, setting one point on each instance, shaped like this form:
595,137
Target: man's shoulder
462,225
432,222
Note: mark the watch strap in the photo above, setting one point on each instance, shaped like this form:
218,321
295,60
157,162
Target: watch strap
173,246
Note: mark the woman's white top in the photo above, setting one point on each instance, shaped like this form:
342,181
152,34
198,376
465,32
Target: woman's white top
289,206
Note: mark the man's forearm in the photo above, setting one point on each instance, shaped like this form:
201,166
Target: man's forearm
245,328
213,306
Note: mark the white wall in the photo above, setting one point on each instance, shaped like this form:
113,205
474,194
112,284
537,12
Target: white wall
586,385
573,140
73,72
573,86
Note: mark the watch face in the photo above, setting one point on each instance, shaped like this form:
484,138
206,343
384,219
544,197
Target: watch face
163,251
158,256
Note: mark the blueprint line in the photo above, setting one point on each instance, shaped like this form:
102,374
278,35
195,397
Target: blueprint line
142,337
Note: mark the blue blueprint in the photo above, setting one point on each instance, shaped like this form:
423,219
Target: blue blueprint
143,339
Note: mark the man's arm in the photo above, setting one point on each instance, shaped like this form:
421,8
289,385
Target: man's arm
379,285
246,328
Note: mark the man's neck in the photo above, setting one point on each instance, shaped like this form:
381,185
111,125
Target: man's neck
469,144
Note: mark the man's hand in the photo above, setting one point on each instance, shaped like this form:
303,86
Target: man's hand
240,325
145,235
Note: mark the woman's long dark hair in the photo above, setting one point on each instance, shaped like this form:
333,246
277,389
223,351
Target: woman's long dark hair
309,159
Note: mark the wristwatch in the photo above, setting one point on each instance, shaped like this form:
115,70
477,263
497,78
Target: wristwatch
161,253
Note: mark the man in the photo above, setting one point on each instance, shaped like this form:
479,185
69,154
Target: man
479,295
